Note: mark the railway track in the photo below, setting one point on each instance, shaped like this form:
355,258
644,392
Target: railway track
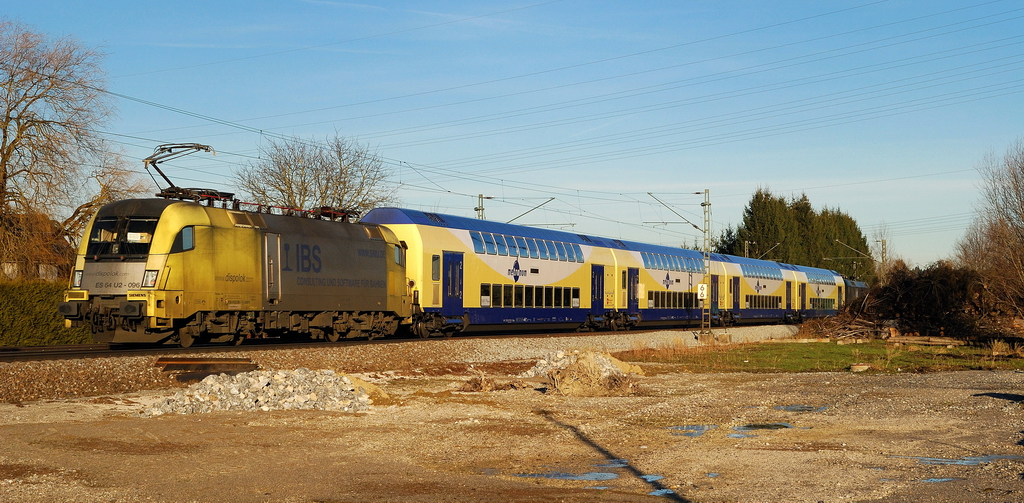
78,351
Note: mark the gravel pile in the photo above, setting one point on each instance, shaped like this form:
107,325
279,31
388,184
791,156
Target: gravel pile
560,360
267,390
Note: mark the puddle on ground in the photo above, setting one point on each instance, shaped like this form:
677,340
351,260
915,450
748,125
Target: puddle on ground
935,481
802,408
713,475
691,430
661,492
965,461
599,476
740,435
762,426
589,476
614,463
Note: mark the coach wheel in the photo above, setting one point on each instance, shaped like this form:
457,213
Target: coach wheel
331,335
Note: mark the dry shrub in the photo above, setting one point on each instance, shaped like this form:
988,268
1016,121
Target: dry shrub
483,383
999,347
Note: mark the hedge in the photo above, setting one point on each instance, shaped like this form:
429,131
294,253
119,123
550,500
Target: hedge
28,315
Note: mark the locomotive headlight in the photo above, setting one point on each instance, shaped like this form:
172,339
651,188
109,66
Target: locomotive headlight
149,279
76,280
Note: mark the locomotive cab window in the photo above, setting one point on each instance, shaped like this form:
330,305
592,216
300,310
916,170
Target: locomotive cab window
121,236
184,241
399,255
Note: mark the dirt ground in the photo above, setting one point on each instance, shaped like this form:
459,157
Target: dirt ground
851,437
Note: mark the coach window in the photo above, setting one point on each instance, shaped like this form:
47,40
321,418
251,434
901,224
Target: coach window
561,251
513,250
529,296
533,248
539,291
552,252
558,296
485,295
435,268
542,249
576,297
478,242
495,295
184,241
499,240
549,296
570,253
579,253
567,297
489,244
507,299
523,250
519,296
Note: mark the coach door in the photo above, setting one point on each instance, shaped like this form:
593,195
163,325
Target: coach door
632,290
789,296
272,267
714,294
736,294
451,303
803,296
597,290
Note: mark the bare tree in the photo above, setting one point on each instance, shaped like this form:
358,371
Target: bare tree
304,174
55,168
994,245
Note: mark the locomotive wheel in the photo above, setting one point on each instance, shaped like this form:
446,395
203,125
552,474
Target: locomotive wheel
185,339
331,335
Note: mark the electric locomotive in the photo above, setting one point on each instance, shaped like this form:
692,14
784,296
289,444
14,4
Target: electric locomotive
159,270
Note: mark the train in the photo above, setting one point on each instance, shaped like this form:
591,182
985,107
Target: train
208,268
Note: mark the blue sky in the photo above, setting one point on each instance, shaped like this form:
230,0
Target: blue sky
882,109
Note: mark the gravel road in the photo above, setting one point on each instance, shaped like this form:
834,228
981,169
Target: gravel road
73,431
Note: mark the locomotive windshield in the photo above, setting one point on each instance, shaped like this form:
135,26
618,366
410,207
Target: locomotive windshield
122,236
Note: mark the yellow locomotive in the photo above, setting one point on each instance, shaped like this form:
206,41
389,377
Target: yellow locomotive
156,270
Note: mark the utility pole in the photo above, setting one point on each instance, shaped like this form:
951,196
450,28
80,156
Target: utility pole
705,316
746,247
480,206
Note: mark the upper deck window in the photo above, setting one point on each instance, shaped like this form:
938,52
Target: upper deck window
489,244
513,250
500,241
478,242
532,245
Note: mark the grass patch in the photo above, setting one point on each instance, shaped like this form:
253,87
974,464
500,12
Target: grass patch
830,357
